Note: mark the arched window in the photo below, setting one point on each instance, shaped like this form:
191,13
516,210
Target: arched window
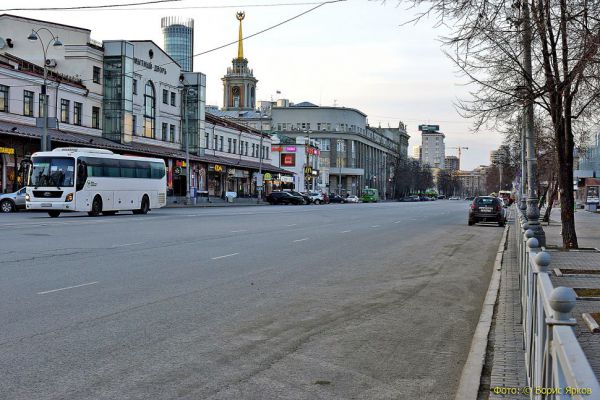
149,110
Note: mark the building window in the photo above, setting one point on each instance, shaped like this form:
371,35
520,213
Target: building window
27,103
206,141
96,74
221,144
135,86
173,99
165,96
246,153
215,142
41,105
253,150
165,127
229,145
77,107
149,110
234,146
134,124
172,133
65,105
96,117
3,98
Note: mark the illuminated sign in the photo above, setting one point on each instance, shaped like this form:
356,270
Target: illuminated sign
277,148
312,150
291,149
7,150
288,160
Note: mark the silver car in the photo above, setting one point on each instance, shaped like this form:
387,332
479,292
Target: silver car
10,202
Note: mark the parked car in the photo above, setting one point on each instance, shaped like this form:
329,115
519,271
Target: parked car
410,198
10,202
284,198
307,199
316,197
334,198
352,199
487,209
441,197
454,198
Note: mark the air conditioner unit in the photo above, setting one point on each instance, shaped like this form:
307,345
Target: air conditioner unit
51,63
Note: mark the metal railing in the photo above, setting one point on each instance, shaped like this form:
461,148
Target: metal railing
557,367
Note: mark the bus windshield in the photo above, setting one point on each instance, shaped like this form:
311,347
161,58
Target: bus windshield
53,171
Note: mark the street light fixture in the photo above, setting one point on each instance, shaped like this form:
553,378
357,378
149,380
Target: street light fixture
55,41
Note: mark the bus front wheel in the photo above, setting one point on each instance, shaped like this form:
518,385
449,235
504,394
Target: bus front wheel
96,207
53,214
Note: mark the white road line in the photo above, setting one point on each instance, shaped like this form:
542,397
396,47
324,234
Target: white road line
292,225
240,230
68,287
375,226
397,222
125,245
345,231
226,255
300,240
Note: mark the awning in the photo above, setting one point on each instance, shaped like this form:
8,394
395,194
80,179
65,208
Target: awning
83,140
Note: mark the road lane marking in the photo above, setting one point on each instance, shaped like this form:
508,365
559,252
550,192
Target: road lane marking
226,255
292,225
397,222
68,287
300,240
240,230
345,231
375,226
125,245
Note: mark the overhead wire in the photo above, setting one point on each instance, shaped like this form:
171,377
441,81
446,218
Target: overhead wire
321,4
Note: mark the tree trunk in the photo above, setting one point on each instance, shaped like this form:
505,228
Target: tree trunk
567,207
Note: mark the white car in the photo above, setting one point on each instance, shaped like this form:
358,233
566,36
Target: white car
352,199
316,197
454,198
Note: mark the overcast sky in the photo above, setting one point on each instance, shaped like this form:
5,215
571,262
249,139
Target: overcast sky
353,53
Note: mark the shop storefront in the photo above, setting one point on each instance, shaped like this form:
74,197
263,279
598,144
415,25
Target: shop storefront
215,180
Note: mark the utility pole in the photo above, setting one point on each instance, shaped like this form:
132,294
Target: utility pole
187,146
533,212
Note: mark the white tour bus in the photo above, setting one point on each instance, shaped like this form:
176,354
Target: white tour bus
96,181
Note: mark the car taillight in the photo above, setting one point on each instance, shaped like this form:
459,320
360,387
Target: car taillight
473,206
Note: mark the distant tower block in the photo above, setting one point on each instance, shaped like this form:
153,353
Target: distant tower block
179,40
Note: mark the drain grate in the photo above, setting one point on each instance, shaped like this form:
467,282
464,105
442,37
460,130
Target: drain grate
588,293
579,271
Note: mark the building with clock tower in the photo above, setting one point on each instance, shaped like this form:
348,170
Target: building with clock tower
239,85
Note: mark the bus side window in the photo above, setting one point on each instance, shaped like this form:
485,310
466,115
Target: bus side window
81,174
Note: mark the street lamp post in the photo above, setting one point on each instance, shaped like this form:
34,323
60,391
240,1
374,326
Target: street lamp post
35,35
533,211
260,157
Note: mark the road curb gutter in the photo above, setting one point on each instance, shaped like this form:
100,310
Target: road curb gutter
470,379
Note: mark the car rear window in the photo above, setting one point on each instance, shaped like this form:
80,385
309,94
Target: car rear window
485,201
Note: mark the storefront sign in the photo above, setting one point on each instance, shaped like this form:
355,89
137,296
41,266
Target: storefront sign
287,179
215,167
148,64
288,160
308,170
277,148
7,150
268,177
312,150
290,149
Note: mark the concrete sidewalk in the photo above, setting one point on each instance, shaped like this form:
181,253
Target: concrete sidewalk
179,202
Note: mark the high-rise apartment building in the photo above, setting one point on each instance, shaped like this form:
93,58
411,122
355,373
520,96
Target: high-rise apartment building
416,152
179,40
433,149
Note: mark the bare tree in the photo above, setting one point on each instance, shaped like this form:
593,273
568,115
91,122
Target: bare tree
486,44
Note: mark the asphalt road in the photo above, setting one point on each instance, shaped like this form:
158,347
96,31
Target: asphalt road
353,301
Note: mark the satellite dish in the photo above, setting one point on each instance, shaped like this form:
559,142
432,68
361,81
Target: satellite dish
2,43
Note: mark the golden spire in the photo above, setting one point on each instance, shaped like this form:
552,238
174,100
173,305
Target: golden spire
240,16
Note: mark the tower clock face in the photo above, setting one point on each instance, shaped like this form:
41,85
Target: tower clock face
236,91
